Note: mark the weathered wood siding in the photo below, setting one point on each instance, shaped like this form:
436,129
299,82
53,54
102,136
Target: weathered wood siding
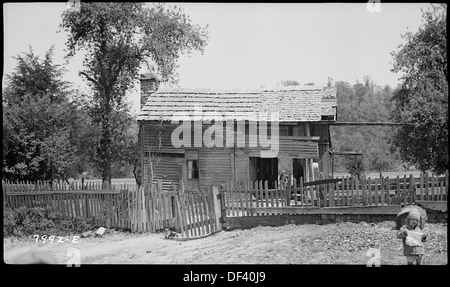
215,166
167,167
218,164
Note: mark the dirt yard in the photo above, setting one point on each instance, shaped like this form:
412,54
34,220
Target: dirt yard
340,243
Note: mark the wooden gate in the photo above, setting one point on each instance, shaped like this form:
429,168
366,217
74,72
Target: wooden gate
198,213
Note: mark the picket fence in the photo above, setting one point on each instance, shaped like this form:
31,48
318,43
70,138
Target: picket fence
199,213
241,198
122,206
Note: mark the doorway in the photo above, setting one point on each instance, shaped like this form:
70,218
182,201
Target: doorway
299,166
264,169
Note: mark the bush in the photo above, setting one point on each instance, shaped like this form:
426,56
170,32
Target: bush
26,221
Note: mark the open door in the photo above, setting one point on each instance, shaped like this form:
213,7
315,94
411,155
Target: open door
264,169
299,167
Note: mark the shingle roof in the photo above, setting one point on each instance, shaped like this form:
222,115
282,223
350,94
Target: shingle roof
293,103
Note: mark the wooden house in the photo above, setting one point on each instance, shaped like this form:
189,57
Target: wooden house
303,137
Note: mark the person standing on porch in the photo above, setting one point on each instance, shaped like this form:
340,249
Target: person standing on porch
284,177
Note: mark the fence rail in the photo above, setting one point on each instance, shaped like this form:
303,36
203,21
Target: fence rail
244,198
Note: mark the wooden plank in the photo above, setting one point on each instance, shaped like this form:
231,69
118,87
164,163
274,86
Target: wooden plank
353,184
388,194
339,193
446,186
271,198
304,193
62,200
433,205
239,190
112,209
322,181
211,210
289,192
106,209
433,189
253,198
78,209
383,191
357,192
60,192
296,192
158,210
191,217
371,210
261,192
228,198
182,214
205,210
233,199
405,189
427,189
347,191
378,182
315,201
266,193
98,209
196,216
364,192
152,206
163,210
258,186
370,192
439,190
247,196
255,193
411,189
332,195
80,206
281,193
198,205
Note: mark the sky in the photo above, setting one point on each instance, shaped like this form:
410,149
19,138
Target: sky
251,44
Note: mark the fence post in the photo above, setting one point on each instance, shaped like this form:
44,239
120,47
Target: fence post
412,189
217,206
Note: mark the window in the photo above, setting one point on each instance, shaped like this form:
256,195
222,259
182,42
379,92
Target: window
286,131
192,169
301,130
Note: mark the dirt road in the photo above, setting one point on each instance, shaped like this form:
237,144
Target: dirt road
340,243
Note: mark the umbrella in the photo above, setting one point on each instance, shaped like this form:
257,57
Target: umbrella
403,214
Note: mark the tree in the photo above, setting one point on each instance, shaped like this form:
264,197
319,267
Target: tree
359,103
422,98
38,121
290,83
118,38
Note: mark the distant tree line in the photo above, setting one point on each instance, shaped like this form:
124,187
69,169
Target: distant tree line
364,102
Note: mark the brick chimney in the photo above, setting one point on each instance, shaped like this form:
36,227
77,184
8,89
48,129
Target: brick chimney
149,85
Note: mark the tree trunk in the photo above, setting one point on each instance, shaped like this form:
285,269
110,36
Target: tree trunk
105,144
